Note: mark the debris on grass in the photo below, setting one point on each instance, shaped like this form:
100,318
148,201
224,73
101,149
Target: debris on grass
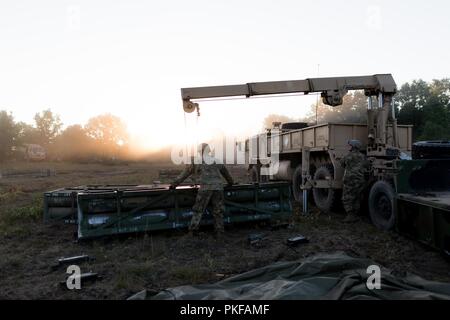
85,278
71,260
295,241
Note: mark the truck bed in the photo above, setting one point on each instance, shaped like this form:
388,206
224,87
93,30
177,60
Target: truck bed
335,136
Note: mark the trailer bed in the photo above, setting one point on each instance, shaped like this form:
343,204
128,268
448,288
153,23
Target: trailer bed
438,200
425,217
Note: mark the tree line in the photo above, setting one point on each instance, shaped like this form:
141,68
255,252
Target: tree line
425,105
102,137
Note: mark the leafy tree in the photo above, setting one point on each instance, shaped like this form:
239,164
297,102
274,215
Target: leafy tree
73,144
49,126
410,102
441,89
8,134
109,132
437,113
353,110
26,134
436,120
427,107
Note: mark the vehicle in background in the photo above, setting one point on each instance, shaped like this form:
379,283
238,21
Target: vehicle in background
30,152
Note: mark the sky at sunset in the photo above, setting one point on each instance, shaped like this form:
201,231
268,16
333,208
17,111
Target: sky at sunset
130,58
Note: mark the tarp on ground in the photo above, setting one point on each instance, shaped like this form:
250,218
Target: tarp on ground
324,276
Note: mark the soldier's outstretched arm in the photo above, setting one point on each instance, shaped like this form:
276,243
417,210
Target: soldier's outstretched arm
226,174
188,170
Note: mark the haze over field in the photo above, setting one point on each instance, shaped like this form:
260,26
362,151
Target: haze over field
130,58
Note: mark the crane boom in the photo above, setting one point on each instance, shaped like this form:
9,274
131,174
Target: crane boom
332,89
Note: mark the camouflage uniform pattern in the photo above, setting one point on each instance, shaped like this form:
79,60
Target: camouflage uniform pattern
204,197
209,177
354,182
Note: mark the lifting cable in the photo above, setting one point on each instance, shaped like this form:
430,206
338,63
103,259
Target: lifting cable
281,95
186,133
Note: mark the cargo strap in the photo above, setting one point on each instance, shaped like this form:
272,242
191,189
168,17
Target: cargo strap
241,206
132,212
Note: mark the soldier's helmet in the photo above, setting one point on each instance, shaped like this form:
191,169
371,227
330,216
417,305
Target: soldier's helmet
204,148
355,144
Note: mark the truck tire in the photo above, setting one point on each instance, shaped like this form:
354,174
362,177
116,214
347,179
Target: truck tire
296,184
382,206
256,177
326,200
263,179
431,150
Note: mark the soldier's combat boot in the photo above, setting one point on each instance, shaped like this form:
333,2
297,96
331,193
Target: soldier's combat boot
193,233
218,235
351,218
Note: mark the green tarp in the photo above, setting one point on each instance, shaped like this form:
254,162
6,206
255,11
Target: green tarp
324,276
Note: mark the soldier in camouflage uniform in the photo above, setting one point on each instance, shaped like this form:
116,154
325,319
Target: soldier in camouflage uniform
356,165
211,189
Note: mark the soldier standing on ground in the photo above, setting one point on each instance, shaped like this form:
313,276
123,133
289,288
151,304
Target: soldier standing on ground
209,174
356,165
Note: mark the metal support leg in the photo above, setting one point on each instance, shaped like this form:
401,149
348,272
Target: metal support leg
305,201
305,176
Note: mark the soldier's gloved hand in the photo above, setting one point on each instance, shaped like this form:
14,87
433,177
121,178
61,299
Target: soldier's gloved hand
230,184
172,187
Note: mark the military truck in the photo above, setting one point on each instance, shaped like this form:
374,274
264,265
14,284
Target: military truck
308,156
325,144
30,152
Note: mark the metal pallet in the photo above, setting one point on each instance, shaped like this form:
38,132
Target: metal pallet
109,210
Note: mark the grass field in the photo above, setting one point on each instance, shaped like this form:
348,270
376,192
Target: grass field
28,247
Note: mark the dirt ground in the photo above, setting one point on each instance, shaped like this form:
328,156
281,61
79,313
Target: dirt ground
28,247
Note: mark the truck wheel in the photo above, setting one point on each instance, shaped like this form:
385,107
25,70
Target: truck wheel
255,176
296,184
325,199
382,205
263,179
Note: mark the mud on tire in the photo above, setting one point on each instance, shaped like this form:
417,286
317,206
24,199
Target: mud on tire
382,206
255,176
296,183
326,200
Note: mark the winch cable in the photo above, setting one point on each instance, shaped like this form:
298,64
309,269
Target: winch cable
196,129
287,95
186,133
